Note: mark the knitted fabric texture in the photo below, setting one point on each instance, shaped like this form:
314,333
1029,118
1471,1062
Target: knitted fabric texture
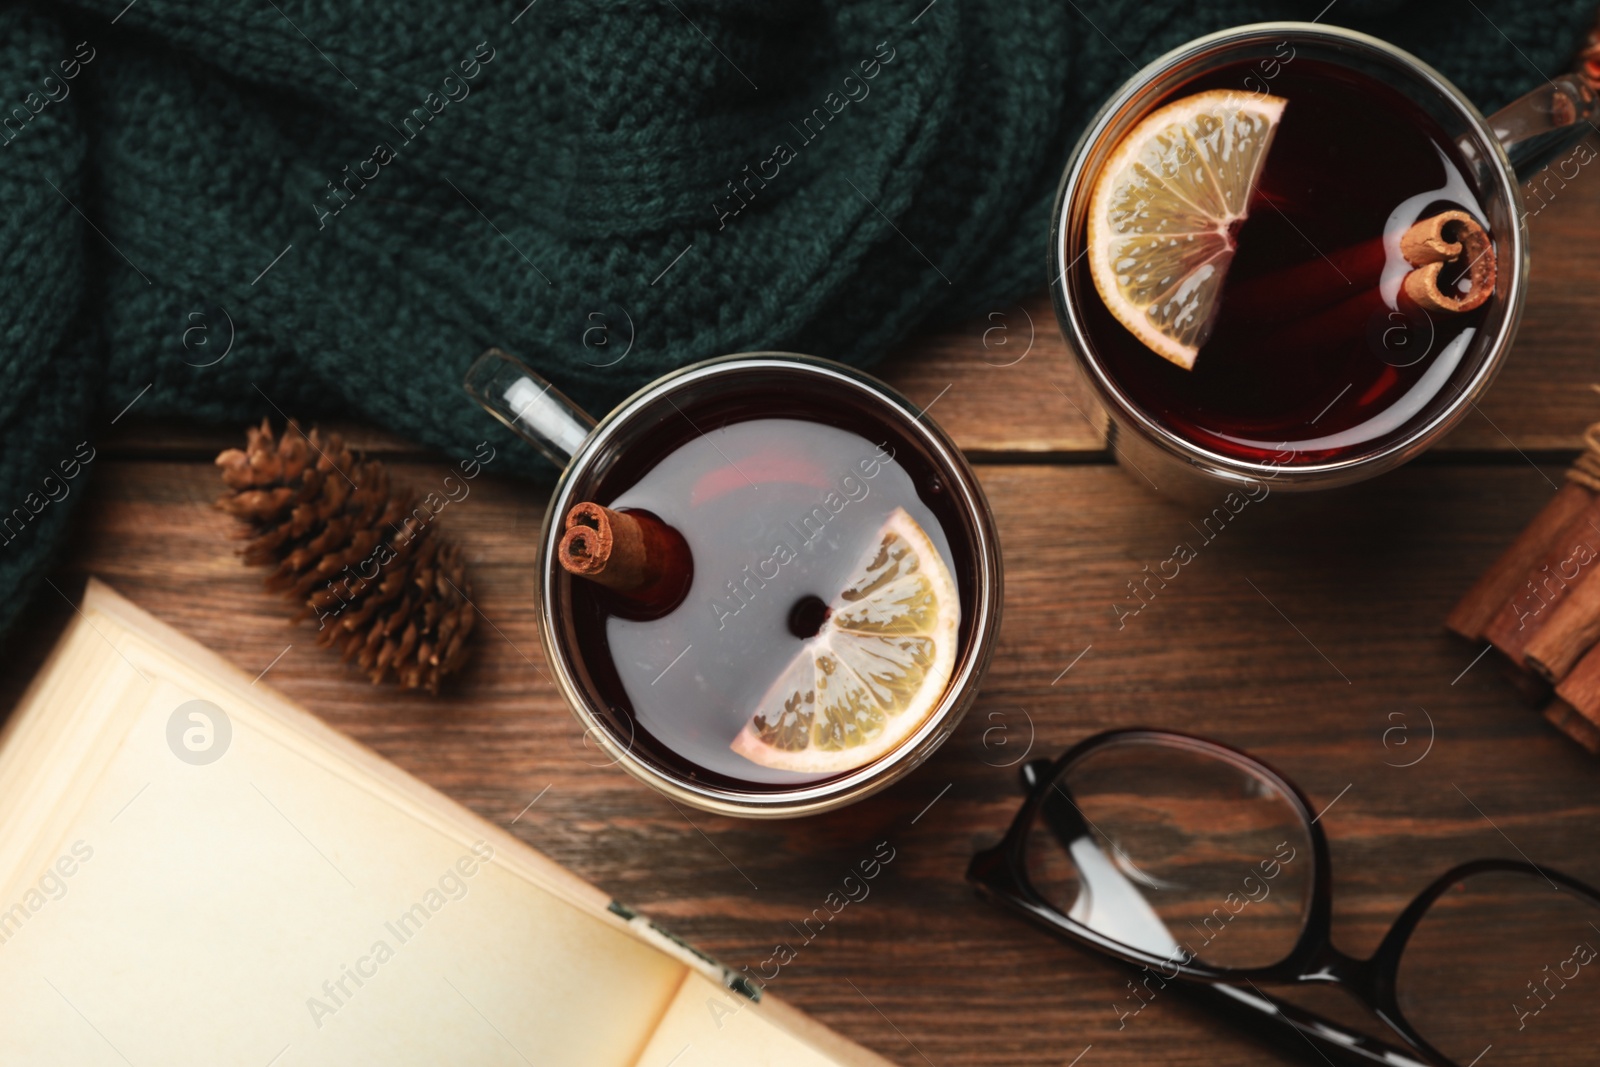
353,200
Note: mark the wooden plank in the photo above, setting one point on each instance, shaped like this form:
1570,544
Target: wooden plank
1004,381
1300,630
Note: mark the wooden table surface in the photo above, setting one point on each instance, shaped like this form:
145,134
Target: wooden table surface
1306,630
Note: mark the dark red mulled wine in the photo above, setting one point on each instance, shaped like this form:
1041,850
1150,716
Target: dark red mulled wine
1313,356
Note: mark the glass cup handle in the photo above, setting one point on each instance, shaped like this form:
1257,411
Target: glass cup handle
534,409
1552,117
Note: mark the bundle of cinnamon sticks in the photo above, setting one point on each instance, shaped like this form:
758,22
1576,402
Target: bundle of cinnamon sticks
1539,604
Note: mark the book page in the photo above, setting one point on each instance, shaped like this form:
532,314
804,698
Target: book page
708,1026
278,902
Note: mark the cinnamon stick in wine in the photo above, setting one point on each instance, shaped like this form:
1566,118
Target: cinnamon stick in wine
632,553
1311,286
1450,238
1340,324
1353,305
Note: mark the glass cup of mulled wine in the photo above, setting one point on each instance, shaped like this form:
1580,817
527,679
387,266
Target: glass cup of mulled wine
1293,253
768,585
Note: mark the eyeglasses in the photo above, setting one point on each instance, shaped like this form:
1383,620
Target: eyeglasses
1201,865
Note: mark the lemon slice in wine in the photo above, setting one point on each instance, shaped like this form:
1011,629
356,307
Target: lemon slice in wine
875,670
1165,209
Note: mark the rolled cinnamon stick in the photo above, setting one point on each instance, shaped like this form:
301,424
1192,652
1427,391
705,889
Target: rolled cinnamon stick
1574,625
1566,718
630,552
1581,687
1309,287
1323,314
1534,691
1450,237
1533,601
1336,325
1428,245
1505,577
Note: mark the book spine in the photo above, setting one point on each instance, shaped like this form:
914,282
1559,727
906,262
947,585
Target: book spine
676,947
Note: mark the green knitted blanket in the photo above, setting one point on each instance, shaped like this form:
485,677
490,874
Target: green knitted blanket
259,207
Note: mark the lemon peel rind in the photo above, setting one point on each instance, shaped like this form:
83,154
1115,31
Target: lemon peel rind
899,726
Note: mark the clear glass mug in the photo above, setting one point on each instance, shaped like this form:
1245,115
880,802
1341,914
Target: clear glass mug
587,451
1519,137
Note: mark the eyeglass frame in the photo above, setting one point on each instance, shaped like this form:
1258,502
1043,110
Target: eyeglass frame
1000,874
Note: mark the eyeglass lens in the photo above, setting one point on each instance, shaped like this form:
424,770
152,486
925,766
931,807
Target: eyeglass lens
1502,970
1176,851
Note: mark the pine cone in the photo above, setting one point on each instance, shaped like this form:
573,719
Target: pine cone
352,550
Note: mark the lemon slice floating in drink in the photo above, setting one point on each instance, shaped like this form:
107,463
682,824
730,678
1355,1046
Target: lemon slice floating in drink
1165,209
875,670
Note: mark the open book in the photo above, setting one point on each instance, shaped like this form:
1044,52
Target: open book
195,871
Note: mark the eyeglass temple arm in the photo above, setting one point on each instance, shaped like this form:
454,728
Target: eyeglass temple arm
1274,1019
